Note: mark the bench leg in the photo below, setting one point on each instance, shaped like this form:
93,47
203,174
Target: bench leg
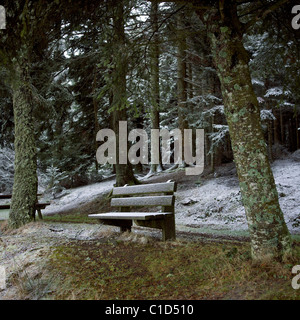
125,229
168,231
126,226
40,214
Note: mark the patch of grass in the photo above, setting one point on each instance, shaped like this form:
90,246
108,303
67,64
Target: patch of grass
175,270
29,288
74,218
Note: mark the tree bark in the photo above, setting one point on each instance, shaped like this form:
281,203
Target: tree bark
190,77
155,92
276,131
281,126
212,149
270,237
24,194
181,78
270,140
297,131
96,121
124,172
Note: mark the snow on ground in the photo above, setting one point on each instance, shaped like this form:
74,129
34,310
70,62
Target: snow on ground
213,202
78,196
217,202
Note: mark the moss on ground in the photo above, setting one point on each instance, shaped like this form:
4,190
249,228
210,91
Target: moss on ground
117,269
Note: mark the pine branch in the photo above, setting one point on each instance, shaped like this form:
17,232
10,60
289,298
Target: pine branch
263,12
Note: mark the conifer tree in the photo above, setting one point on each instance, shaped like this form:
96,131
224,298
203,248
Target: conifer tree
21,42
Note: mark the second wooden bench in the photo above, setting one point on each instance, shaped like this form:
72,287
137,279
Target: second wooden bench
38,207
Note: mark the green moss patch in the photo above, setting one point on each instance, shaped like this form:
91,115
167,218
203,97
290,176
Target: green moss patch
126,270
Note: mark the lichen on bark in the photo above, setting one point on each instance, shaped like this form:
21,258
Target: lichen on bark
270,237
24,194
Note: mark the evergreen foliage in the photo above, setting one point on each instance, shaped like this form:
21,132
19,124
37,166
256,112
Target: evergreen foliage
68,69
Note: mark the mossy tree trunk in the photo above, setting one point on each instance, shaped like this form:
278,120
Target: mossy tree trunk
270,237
24,195
23,43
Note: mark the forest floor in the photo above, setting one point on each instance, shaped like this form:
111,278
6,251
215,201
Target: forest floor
67,256
76,261
209,203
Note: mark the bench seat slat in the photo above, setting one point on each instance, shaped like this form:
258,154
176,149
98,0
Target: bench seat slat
144,189
4,206
143,201
5,196
131,215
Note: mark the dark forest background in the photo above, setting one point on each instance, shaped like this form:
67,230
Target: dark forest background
171,82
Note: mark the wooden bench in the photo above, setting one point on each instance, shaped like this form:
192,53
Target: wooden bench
38,207
147,195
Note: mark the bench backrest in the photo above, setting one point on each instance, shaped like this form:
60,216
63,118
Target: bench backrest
138,195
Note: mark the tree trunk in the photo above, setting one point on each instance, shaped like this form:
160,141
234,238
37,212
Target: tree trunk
124,172
270,237
138,123
212,149
96,122
270,140
155,93
281,127
297,131
181,78
24,194
276,131
190,86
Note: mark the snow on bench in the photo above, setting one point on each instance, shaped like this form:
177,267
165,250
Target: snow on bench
148,195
